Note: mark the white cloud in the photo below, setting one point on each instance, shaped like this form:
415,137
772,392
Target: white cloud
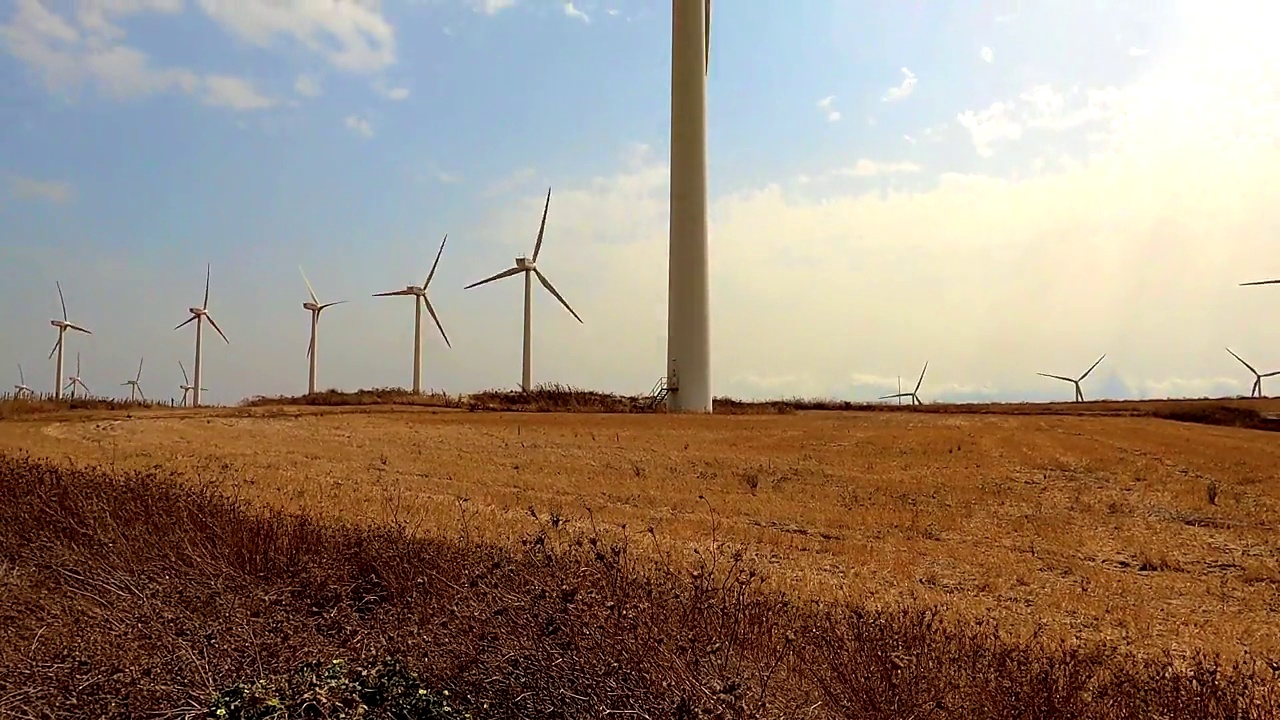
235,93
395,94
95,15
904,89
989,126
871,168
53,191
1138,52
988,56
491,7
448,178
572,11
353,35
825,105
307,86
358,125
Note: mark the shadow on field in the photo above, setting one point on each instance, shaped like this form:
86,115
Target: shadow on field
131,595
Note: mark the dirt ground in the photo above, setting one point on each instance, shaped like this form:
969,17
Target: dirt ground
1159,534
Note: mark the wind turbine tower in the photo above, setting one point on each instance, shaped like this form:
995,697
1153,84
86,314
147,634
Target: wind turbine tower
1256,389
199,315
316,308
63,326
1075,381
914,394
529,267
135,385
419,292
688,287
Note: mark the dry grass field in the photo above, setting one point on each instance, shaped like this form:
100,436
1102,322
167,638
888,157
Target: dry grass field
1098,522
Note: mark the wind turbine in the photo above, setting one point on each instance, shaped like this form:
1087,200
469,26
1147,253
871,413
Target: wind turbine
1075,381
420,292
74,380
201,314
135,385
914,394
528,266
21,388
315,307
63,326
186,387
1256,390
688,286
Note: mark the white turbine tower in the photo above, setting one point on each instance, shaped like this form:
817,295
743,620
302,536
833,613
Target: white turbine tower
914,394
420,293
63,326
186,387
529,267
74,381
21,388
315,308
199,315
1075,381
688,287
135,385
1256,390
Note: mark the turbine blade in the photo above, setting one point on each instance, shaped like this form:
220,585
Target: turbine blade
1270,374
21,378
335,302
179,327
547,284
185,379
311,345
139,378
141,394
1057,377
537,246
215,327
84,330
206,287
1091,367
922,372
393,292
308,282
1242,362
437,319
499,276
55,346
77,365
706,39
1261,282
437,262
895,395
61,299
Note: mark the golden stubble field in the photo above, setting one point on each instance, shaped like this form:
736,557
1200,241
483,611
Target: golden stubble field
1096,527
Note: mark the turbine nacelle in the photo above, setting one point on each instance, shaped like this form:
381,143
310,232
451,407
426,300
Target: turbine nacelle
197,311
525,263
59,323
311,306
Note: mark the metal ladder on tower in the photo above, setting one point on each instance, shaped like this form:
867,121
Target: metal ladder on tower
659,392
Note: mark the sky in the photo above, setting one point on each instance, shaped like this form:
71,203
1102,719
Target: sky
997,187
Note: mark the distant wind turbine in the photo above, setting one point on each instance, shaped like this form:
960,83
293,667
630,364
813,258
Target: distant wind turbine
315,307
135,385
21,388
419,292
1075,381
186,387
74,381
199,315
528,267
63,326
1256,390
914,394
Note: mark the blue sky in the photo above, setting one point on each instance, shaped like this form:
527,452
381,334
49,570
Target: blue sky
998,187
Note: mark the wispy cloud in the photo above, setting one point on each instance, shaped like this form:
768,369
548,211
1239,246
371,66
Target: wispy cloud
825,105
390,93
54,191
870,168
572,11
359,125
307,86
1138,52
903,89
988,55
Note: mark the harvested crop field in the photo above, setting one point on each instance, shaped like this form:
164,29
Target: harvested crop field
1146,532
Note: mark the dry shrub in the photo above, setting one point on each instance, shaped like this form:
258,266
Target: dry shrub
128,595
367,396
14,407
